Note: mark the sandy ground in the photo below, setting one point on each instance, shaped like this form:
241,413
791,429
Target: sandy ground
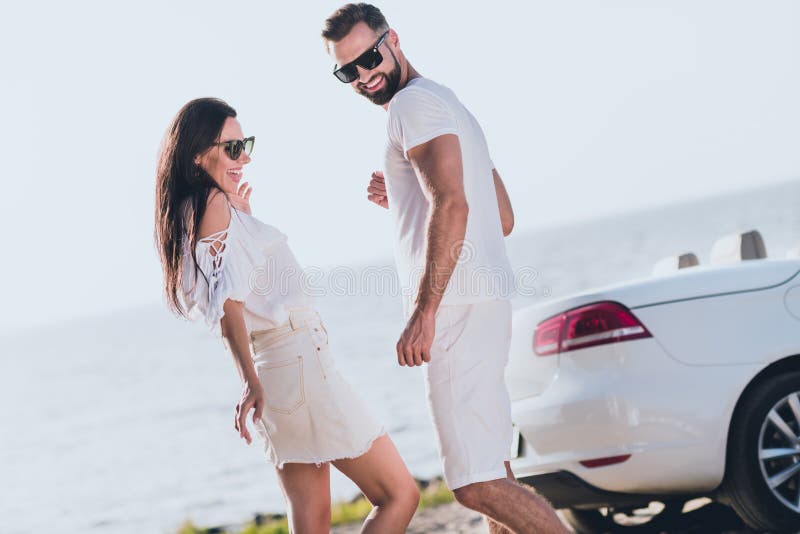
455,519
445,519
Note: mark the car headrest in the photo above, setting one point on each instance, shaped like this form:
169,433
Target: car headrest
793,253
734,248
673,263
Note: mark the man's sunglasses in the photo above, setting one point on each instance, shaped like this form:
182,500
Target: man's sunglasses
234,148
368,60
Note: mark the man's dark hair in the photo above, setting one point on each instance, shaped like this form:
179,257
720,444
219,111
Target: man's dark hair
338,25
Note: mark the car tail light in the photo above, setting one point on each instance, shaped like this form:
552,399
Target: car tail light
587,326
547,338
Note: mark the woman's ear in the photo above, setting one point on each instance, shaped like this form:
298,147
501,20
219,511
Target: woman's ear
197,165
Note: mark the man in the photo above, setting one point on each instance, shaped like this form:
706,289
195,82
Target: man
451,212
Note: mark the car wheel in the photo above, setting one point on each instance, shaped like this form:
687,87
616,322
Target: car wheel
655,517
762,478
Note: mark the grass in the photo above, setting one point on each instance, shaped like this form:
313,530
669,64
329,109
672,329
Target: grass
433,494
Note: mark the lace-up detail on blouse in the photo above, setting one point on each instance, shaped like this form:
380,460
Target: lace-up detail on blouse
216,248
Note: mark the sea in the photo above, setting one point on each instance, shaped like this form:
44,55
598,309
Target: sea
124,423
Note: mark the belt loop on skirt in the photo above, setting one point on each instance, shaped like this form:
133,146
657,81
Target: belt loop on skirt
299,316
293,319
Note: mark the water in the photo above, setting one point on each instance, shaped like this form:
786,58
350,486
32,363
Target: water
125,423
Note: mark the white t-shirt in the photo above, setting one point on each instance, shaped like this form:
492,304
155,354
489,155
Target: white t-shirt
419,112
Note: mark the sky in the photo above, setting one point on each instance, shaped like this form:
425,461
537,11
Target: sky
590,109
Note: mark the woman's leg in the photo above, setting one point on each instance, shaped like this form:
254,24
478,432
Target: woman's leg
383,477
307,489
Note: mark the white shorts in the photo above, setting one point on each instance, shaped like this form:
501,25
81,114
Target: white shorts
466,389
312,415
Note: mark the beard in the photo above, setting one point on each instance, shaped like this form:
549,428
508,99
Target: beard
391,82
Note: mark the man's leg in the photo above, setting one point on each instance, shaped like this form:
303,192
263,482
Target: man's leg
471,412
494,526
510,507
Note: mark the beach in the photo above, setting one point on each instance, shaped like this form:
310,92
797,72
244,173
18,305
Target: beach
135,435
452,518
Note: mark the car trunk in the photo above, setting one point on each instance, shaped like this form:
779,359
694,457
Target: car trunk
529,375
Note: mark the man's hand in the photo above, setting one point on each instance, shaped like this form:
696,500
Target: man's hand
504,204
414,346
377,190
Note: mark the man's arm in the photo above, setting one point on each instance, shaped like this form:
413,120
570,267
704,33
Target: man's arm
504,204
438,166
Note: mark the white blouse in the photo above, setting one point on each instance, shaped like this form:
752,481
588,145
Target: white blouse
249,261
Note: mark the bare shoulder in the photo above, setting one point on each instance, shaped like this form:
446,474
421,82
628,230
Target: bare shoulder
217,215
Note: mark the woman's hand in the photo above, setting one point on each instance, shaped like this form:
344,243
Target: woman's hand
252,398
241,200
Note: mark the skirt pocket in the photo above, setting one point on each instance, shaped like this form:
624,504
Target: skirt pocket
283,385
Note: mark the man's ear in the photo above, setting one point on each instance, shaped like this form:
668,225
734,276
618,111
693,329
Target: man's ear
393,38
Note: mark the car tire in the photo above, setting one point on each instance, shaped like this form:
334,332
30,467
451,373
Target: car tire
597,522
754,430
587,521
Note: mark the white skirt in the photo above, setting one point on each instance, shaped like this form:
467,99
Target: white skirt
311,415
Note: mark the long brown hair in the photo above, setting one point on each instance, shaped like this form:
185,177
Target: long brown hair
182,188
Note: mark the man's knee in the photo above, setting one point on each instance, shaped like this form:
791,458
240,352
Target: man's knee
473,496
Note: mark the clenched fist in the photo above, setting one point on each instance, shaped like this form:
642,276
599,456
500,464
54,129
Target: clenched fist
377,190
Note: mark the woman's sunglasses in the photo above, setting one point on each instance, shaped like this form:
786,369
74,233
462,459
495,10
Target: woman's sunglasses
234,148
368,60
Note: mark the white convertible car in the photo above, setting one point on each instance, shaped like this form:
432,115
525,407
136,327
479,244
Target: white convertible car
685,384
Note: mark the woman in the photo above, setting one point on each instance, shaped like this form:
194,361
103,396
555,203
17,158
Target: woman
238,272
